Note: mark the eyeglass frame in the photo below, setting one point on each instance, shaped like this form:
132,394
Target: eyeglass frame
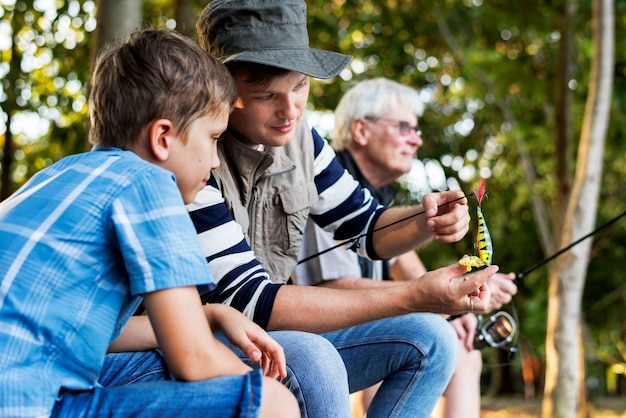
404,128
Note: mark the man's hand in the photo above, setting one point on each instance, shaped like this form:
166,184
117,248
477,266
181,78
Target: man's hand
465,327
249,337
502,288
447,290
448,217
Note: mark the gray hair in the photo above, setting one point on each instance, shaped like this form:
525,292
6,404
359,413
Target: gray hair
370,98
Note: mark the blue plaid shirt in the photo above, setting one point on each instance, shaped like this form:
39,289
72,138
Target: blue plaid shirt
79,244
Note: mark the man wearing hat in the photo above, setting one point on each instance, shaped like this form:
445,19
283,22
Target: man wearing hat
275,171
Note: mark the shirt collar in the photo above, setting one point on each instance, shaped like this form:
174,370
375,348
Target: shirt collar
384,195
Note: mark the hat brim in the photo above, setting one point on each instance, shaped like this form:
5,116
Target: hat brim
316,63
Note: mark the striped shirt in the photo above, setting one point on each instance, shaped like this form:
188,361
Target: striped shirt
341,207
339,264
81,241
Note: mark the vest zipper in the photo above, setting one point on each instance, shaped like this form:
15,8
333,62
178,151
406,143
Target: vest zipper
256,196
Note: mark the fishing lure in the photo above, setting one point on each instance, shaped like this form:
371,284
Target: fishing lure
483,238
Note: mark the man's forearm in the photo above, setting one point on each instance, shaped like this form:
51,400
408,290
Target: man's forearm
356,283
445,218
412,233
317,309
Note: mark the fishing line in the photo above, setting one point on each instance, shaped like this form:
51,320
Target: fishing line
513,338
354,241
521,275
501,329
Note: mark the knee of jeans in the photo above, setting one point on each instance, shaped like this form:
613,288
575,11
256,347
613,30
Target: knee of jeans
316,374
451,341
446,347
313,355
447,334
443,341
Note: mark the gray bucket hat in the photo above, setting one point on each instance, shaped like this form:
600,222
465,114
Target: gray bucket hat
270,32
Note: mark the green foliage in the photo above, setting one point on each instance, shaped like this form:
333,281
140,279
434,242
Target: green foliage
486,71
45,94
48,87
490,66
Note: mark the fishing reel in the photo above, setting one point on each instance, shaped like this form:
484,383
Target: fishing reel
498,331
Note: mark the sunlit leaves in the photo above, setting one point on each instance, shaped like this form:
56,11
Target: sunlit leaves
486,73
49,86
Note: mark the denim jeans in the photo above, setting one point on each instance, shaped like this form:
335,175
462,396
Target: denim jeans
315,372
229,396
414,355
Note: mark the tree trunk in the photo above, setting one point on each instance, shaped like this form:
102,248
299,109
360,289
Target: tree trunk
567,278
116,20
563,114
185,19
9,107
7,159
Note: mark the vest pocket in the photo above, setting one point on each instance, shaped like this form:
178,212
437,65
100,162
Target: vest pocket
295,204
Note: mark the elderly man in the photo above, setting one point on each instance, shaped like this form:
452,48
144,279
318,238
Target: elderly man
376,136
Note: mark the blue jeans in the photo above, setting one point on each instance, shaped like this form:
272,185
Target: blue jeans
315,372
229,396
414,355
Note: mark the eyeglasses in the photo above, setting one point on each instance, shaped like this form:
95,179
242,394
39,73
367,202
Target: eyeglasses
404,128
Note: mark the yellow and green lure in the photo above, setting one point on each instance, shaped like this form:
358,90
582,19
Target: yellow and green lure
483,238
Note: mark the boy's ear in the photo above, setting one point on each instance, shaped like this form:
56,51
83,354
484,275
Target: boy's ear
161,134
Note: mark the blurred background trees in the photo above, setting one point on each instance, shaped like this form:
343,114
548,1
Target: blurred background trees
495,78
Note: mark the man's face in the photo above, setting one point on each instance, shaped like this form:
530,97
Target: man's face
392,142
269,113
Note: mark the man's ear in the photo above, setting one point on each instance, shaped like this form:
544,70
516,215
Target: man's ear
360,131
161,136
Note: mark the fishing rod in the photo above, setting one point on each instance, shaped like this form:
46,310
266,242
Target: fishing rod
520,276
354,240
501,330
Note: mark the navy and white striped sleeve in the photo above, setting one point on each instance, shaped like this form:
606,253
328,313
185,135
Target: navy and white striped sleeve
344,207
241,280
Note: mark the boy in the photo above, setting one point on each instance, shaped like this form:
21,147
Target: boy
86,238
